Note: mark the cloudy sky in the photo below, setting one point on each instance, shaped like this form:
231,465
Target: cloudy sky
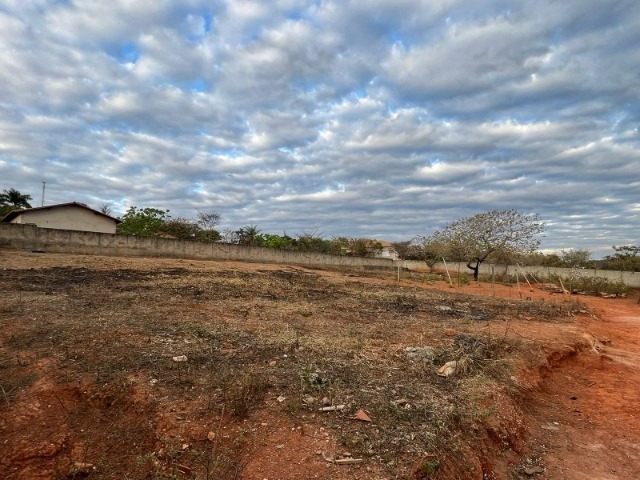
382,119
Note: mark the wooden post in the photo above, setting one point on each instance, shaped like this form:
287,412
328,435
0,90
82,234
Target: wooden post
525,277
447,270
493,280
518,282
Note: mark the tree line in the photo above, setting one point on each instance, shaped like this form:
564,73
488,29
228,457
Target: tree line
153,222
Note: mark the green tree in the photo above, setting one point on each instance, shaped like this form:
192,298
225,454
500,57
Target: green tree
144,222
13,199
312,242
575,258
626,258
181,228
499,232
248,235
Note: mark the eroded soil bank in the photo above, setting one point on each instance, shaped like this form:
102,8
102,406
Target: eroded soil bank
93,382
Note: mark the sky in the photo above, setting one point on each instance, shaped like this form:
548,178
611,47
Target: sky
378,119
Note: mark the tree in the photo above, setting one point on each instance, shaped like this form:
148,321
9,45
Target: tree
105,208
626,258
181,228
498,232
144,222
248,235
207,221
434,247
572,258
13,198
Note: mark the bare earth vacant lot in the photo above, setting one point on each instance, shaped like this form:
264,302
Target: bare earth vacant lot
116,368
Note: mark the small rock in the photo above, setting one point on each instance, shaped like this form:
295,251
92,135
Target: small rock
420,353
362,416
533,470
333,408
273,363
81,468
281,399
309,400
348,461
325,401
211,436
180,358
451,368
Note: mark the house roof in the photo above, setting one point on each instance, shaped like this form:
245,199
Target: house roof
14,213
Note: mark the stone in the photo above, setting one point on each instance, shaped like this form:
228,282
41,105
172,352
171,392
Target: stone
452,367
362,416
333,408
531,471
420,353
348,461
180,358
81,468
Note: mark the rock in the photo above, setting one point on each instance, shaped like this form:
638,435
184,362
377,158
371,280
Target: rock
309,400
531,471
420,353
211,436
180,358
362,416
81,468
332,408
281,399
348,461
452,367
325,402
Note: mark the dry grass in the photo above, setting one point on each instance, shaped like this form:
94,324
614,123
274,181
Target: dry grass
107,339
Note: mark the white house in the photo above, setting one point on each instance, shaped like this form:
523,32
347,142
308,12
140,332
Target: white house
65,216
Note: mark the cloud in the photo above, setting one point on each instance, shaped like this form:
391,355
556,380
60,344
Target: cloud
349,118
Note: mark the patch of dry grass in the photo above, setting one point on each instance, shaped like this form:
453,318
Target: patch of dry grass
249,334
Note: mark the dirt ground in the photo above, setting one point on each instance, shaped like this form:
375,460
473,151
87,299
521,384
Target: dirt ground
170,369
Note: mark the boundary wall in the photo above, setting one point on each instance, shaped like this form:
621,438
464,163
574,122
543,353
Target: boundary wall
631,279
30,237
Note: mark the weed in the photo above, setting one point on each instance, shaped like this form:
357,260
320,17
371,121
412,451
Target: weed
247,395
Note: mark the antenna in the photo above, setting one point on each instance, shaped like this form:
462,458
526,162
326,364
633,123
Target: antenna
44,184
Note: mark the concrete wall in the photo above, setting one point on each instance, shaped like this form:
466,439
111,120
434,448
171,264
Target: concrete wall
542,274
30,237
68,217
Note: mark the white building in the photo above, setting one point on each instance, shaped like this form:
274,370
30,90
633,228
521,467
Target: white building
65,216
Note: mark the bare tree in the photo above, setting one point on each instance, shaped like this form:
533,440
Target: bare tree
208,219
498,232
105,208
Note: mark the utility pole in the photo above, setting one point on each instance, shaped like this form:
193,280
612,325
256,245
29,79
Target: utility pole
43,187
